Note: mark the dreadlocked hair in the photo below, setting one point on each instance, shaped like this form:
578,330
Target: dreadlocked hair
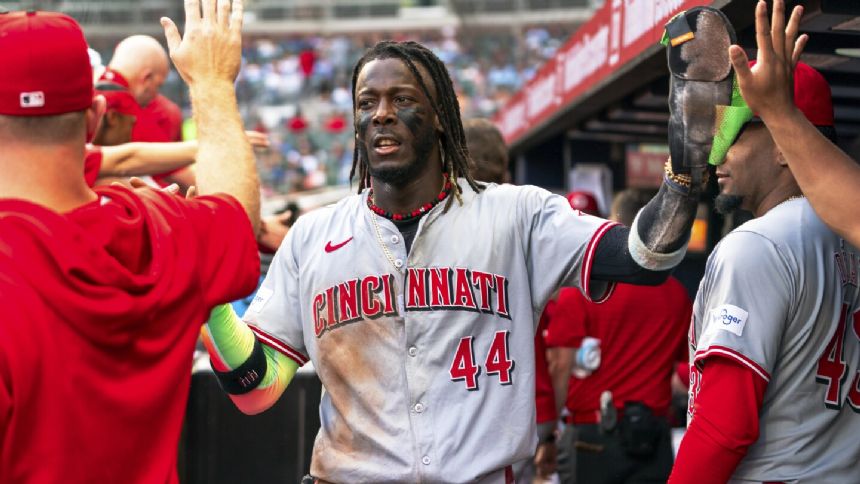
455,153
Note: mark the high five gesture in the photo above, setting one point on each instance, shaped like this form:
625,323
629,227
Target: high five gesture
208,57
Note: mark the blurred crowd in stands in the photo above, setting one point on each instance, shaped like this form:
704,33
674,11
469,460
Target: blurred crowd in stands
296,89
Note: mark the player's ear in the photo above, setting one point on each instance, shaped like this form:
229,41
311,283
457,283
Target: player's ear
94,115
438,125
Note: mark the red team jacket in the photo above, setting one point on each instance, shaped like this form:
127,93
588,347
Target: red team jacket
102,307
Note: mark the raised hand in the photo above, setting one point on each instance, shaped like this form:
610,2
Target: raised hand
768,87
211,49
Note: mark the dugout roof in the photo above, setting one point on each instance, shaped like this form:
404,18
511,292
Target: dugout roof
609,82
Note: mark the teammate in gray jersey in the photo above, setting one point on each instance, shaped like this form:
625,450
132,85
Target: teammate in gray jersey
417,299
775,339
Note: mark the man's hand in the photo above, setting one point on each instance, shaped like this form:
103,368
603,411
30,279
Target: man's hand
768,88
273,229
208,58
546,459
212,47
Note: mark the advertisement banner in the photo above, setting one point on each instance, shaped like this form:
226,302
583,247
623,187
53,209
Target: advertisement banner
615,35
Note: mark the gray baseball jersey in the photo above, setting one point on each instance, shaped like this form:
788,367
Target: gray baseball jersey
780,296
427,358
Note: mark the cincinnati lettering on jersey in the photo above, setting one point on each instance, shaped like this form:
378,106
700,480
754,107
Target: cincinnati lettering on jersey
457,288
369,297
427,289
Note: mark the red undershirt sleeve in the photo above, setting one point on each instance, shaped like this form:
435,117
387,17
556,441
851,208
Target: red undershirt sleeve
725,423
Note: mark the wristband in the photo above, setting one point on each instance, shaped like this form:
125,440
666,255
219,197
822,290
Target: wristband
246,376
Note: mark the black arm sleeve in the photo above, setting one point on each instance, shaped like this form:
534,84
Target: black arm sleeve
613,263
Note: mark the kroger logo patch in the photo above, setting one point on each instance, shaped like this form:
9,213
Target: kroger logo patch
729,318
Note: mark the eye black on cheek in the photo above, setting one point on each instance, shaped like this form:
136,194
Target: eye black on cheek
362,122
412,117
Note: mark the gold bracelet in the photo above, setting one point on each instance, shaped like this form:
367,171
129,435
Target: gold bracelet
683,180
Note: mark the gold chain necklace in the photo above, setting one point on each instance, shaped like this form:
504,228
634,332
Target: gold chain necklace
388,254
446,187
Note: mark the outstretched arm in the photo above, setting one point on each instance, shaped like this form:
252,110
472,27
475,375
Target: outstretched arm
137,159
825,174
143,158
646,252
208,58
254,375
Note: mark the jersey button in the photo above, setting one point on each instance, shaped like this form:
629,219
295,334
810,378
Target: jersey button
419,407
395,239
413,351
398,263
425,460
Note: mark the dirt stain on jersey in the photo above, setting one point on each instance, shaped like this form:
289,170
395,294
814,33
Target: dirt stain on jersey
359,383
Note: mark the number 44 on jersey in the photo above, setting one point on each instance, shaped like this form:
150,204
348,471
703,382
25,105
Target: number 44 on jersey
497,362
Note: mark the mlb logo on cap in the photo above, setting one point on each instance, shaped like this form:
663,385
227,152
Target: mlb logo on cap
34,99
46,66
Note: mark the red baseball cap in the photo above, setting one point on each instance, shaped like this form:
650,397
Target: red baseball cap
114,77
114,88
812,95
46,67
584,202
120,101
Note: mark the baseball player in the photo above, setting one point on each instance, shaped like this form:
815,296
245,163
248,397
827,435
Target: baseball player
775,339
100,289
417,299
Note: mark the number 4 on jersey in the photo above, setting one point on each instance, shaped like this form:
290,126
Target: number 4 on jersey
497,363
463,367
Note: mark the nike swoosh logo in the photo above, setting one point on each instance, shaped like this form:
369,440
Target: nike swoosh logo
332,248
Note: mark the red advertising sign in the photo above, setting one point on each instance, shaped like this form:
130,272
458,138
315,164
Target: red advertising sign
645,168
616,34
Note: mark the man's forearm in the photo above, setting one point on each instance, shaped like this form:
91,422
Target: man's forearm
560,362
225,161
231,343
645,253
138,159
826,175
661,230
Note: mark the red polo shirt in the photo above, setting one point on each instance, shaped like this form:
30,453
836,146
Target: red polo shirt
160,121
642,332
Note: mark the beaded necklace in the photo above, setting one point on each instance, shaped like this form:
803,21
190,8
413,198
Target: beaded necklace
403,217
